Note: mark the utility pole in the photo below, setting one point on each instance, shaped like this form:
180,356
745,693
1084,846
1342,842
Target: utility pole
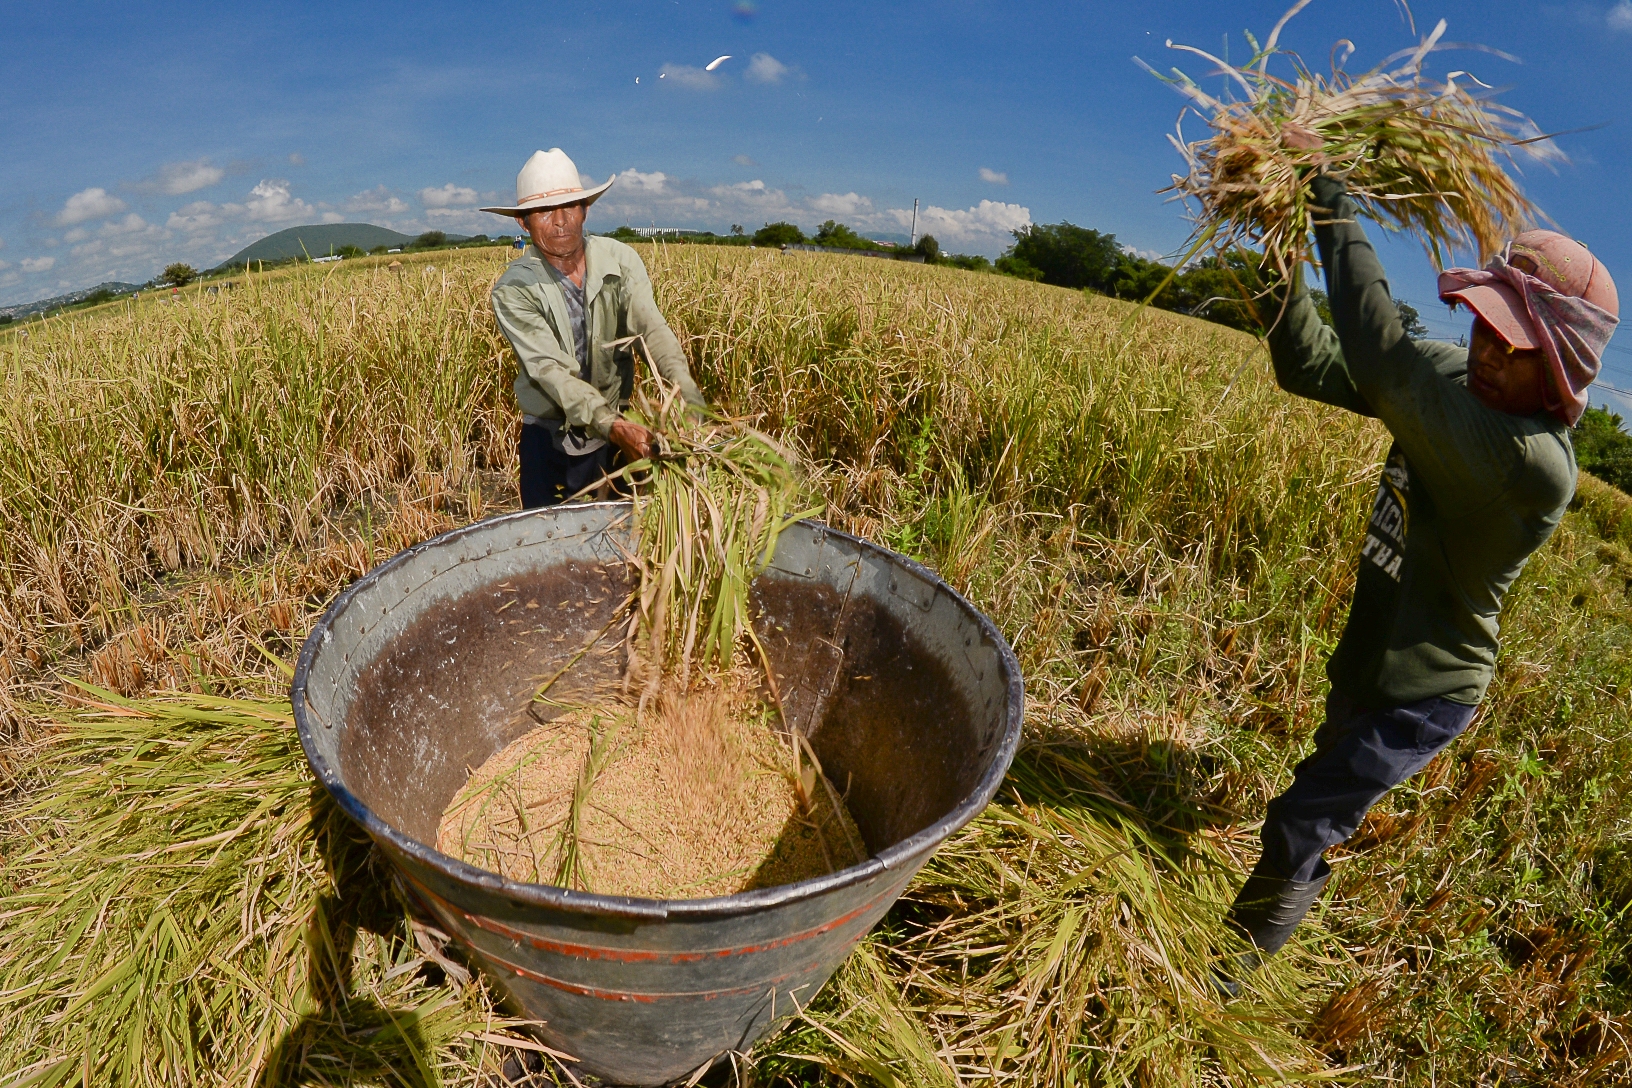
914,240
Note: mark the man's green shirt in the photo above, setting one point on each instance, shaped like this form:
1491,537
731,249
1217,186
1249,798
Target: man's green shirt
618,303
1467,494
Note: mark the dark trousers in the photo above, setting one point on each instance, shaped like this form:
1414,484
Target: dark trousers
549,476
1359,755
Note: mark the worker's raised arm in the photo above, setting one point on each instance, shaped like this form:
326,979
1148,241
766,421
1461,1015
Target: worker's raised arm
1464,451
537,346
1307,356
647,321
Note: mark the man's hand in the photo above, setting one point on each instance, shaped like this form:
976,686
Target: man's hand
1296,137
1300,138
636,442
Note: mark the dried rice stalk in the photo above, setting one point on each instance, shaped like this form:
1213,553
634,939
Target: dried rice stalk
709,509
1424,157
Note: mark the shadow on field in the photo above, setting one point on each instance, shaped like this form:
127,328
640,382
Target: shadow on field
1166,787
348,1038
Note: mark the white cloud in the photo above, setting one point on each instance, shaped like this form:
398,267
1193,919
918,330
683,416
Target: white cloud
1620,16
743,160
4,265
130,224
297,159
197,216
333,217
38,264
90,249
841,203
447,196
271,202
764,68
468,220
633,179
176,178
984,222
78,234
1147,254
378,199
994,177
755,186
683,75
94,203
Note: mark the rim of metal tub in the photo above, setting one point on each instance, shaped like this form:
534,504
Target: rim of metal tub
725,906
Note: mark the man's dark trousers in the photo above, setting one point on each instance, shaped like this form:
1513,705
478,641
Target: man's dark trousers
1359,755
549,476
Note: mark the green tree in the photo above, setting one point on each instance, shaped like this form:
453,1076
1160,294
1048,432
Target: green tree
840,236
779,234
928,248
967,262
1010,265
1414,328
736,230
1067,255
1136,279
178,274
1409,317
429,240
348,251
1229,289
377,250
1603,448
625,233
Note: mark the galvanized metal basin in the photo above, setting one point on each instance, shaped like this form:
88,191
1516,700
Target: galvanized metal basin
911,699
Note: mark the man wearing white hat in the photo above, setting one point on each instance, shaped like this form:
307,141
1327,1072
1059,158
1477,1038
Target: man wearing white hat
562,305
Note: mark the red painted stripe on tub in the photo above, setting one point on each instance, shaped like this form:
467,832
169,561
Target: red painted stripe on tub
641,997
637,955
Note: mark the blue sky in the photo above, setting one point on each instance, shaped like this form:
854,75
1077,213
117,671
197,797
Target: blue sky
139,134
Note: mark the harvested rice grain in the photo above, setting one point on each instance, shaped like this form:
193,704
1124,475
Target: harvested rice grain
696,797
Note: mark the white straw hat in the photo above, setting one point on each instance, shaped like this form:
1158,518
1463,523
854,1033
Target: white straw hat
549,180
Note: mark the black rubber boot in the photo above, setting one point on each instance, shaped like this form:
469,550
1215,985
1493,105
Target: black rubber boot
1265,913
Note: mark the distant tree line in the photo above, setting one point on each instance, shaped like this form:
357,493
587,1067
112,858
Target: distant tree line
1229,288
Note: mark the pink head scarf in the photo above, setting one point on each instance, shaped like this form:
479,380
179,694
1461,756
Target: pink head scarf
1545,291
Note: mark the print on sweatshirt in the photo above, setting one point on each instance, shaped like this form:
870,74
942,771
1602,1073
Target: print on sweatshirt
1390,517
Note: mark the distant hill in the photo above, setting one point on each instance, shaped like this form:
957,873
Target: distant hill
320,241
24,309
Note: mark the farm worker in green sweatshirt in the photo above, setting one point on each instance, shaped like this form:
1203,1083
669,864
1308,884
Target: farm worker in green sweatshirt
563,305
1479,474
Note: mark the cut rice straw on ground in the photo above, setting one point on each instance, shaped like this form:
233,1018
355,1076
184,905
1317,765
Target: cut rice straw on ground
182,905
1427,157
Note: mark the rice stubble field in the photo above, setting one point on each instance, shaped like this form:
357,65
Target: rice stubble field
1166,539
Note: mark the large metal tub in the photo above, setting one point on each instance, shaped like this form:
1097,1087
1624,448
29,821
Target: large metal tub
911,699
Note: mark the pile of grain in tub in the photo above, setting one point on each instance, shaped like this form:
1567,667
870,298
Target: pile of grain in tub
699,796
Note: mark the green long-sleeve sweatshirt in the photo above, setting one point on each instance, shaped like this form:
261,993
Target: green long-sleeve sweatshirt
1467,493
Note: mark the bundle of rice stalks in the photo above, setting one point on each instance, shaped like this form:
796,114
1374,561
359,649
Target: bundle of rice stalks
181,905
1426,157
709,506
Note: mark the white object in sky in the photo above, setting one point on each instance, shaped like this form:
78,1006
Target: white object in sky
716,62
